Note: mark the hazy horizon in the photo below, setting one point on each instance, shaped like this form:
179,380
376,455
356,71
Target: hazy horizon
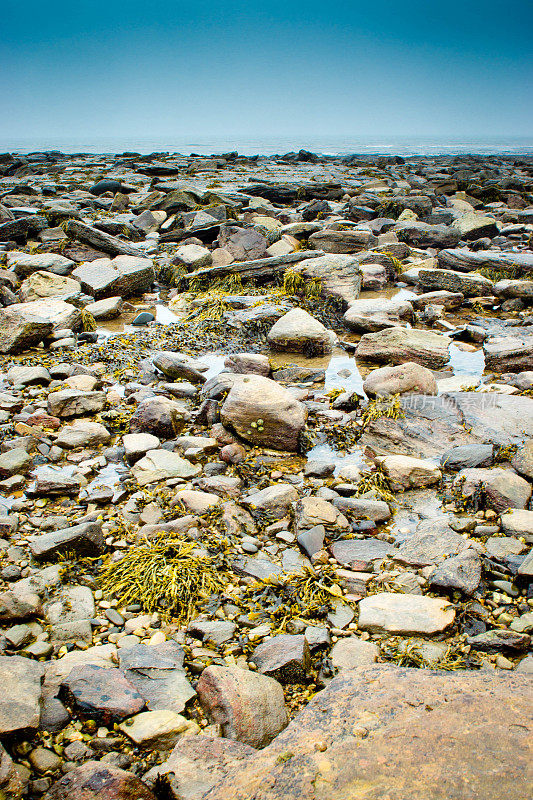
297,70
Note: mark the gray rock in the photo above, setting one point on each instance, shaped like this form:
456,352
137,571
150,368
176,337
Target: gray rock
20,330
286,658
124,276
104,695
497,640
20,698
15,462
157,672
404,379
74,403
298,332
349,551
502,488
461,572
86,539
377,314
404,614
469,285
351,652
398,345
468,455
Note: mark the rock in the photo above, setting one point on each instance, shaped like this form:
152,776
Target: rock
377,738
249,707
404,379
312,511
312,540
15,462
449,300
95,780
468,455
20,330
50,480
298,332
179,365
18,606
509,289
351,652
361,550
422,235
340,276
502,488
398,345
12,783
497,640
104,695
136,445
69,614
216,631
245,363
499,547
124,276
143,318
24,264
158,674
159,465
405,472
160,416
196,764
21,681
523,459
44,760
82,433
518,523
357,508
85,539
469,285
107,308
350,241
466,260
29,376
404,614
192,256
243,244
157,730
274,501
511,353
45,284
461,572
377,314
474,226
285,658
430,544
73,403
261,411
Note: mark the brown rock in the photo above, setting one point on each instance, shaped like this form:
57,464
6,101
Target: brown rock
397,733
96,781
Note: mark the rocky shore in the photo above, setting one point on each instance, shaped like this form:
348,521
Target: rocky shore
266,477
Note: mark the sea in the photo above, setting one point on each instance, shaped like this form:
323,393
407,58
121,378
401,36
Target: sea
273,145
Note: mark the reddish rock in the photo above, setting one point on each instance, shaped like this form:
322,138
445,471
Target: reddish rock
95,781
102,694
249,707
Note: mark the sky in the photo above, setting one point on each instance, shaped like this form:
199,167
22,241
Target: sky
275,67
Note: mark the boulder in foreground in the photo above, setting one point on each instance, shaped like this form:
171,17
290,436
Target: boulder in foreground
391,732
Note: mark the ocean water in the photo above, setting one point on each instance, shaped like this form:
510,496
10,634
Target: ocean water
270,145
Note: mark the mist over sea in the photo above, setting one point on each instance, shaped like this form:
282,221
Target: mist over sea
270,145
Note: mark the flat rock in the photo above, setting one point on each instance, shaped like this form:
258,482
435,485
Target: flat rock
20,329
159,465
469,285
406,378
298,332
383,741
377,314
405,614
20,708
75,403
104,695
286,658
340,276
398,345
86,539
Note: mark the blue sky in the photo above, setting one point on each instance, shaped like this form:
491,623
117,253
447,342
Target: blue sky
94,67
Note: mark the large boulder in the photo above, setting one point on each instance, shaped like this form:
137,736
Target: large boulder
473,225
398,345
46,284
53,310
20,699
244,244
123,276
263,412
502,488
382,731
21,329
299,332
403,379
